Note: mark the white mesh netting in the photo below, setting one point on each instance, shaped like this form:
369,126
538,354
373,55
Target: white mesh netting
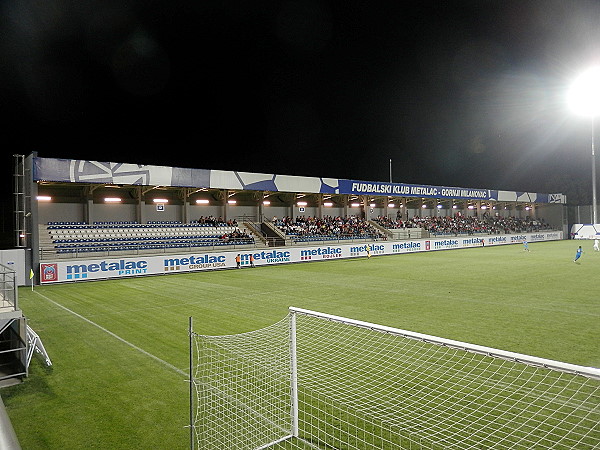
360,388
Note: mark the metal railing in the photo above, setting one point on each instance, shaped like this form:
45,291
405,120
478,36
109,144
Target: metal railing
487,233
292,240
8,288
82,251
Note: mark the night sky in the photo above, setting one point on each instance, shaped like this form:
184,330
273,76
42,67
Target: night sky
456,93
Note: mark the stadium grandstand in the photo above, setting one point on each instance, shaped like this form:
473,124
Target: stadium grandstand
86,209
90,211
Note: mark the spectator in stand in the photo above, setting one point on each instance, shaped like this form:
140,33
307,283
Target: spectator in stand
459,224
237,237
328,227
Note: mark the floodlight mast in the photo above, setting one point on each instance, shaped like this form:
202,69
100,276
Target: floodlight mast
584,97
594,204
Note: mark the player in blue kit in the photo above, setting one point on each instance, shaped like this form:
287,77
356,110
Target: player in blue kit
525,245
578,254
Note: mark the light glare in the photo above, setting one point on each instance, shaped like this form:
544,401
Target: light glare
584,94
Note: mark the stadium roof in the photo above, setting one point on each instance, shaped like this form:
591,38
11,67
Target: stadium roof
114,173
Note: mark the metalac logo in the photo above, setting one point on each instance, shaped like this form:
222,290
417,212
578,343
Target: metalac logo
269,257
194,262
323,253
408,246
122,267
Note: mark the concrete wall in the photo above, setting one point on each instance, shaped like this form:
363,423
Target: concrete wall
102,212
60,212
19,260
170,212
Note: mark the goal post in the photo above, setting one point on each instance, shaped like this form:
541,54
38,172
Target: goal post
243,388
315,380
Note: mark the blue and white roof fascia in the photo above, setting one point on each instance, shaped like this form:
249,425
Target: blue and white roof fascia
84,171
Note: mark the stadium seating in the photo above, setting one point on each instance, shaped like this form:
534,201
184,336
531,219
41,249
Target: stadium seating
78,237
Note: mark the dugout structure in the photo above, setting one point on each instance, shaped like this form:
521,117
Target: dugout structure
320,381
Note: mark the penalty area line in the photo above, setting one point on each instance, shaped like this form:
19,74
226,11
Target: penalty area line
124,341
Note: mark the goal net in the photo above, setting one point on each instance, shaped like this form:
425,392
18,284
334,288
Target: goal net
320,381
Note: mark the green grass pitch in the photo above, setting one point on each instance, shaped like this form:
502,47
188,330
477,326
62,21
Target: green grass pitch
120,348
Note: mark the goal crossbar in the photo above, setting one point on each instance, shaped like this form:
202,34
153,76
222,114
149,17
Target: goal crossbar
591,372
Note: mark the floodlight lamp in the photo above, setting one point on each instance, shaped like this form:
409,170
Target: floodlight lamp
584,94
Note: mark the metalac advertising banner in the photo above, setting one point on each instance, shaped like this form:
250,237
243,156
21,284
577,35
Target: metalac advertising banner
98,269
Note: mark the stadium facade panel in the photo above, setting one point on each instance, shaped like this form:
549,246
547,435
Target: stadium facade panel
82,171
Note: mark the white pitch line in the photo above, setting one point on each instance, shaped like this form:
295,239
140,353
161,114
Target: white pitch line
156,358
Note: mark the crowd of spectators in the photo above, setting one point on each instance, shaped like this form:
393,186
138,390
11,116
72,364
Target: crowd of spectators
217,222
234,237
351,227
237,237
461,224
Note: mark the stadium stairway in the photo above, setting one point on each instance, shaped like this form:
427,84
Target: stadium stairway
387,233
274,236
